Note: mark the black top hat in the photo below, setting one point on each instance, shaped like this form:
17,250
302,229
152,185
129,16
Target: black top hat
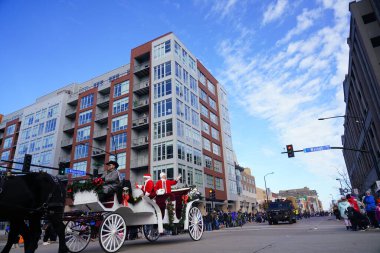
114,163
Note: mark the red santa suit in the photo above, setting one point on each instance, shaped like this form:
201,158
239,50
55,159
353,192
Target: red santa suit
148,187
165,184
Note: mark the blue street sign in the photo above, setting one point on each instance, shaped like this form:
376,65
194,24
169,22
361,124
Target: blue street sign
76,172
314,149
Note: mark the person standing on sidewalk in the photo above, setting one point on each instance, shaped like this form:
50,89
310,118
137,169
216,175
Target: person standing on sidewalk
370,207
343,205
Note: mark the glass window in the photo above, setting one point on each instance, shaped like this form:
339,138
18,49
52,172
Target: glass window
161,50
187,113
52,111
180,129
197,140
218,166
163,129
205,127
178,88
186,94
193,84
194,100
189,154
163,108
195,118
5,155
120,123
47,142
7,143
214,118
204,111
22,149
206,144
50,125
182,171
198,178
184,56
201,78
212,103
181,148
209,181
216,149
85,117
179,106
203,95
219,184
211,87
163,151
177,49
197,157
120,105
118,141
185,77
81,166
178,71
163,88
87,101
162,70
168,169
28,120
121,160
214,133
121,89
83,133
208,161
46,157
189,176
11,129
192,63
81,151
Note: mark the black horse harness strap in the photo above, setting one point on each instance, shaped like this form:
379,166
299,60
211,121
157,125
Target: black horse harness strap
48,202
3,178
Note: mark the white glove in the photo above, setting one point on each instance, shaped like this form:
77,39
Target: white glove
179,177
138,186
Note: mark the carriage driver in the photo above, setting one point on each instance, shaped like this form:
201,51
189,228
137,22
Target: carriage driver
111,180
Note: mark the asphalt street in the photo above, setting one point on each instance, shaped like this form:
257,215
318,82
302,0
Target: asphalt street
315,235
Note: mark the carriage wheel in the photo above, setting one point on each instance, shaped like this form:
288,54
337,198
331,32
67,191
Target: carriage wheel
151,232
77,236
112,233
195,224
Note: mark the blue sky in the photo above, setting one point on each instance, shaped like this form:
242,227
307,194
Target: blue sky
282,61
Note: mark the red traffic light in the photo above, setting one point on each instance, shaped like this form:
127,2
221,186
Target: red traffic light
289,149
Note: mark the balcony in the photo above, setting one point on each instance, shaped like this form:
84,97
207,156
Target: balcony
141,105
140,143
140,163
101,117
103,101
142,70
141,88
69,127
66,143
140,123
97,153
73,99
71,112
100,135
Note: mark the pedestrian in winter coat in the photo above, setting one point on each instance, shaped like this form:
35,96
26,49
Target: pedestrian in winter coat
377,212
370,207
342,206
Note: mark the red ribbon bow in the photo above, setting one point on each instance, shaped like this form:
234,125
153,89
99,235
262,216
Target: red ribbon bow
185,198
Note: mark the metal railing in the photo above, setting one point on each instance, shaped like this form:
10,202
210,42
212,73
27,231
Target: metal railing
140,102
103,99
140,162
140,141
140,121
97,151
70,111
68,126
101,115
141,85
66,142
100,133
141,67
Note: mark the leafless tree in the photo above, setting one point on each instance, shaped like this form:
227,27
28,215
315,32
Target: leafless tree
345,179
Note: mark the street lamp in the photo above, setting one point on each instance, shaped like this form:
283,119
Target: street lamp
340,181
357,119
266,189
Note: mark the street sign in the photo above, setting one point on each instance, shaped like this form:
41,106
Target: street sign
314,149
76,172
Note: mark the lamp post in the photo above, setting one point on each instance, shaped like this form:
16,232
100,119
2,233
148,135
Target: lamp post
340,181
266,189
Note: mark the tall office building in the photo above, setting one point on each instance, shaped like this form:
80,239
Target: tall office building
362,96
162,112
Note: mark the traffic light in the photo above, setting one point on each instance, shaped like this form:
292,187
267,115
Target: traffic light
62,168
289,149
27,163
212,194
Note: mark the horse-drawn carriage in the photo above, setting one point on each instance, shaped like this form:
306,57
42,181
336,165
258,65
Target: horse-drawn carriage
117,220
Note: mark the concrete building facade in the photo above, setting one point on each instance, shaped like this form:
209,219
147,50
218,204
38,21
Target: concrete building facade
362,96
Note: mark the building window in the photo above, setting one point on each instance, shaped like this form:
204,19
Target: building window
87,101
203,95
168,169
163,151
121,89
215,133
121,160
120,123
46,157
163,129
214,118
83,133
81,151
120,105
192,64
204,111
177,49
219,184
208,161
186,94
118,141
163,88
22,149
189,154
216,149
197,157
11,129
178,71
81,166
184,56
185,77
7,143
52,111
212,103
85,117
50,125
194,100
201,78
28,120
198,178
47,142
195,118
34,131
217,166
375,41
163,108
197,138
178,88
5,155
369,18
211,87
180,129
206,144
209,181
161,50
205,127
162,70
187,113
181,148
179,106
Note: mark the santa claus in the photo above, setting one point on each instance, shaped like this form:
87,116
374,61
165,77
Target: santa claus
164,185
148,187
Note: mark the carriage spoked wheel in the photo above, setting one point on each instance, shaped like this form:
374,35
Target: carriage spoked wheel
151,232
195,224
112,233
77,236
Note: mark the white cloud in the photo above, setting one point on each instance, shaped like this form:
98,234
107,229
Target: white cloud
295,83
274,11
222,8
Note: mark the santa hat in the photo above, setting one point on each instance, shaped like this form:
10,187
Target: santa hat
162,174
147,176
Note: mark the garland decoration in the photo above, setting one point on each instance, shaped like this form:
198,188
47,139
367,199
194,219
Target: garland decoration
170,207
95,185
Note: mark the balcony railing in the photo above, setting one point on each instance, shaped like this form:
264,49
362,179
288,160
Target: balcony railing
98,152
141,67
144,140
140,121
103,99
66,142
140,162
100,116
141,85
70,111
140,102
68,126
100,133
